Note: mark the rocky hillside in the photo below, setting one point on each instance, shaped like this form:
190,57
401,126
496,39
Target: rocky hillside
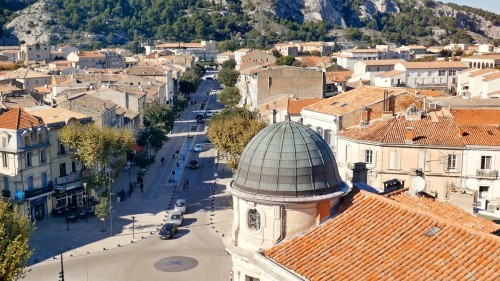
263,20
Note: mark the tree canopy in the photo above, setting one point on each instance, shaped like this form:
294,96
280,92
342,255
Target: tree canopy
15,231
229,64
285,60
228,77
230,96
232,129
159,116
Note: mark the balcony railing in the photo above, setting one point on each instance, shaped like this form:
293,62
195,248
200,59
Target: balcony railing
487,173
37,192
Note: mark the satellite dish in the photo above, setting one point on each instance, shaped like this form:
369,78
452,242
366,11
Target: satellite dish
417,184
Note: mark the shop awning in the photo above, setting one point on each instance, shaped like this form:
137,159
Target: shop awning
138,148
68,186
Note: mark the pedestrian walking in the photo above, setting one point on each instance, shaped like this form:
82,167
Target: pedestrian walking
142,187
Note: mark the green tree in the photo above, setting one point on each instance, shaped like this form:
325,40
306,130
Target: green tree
96,147
15,231
228,46
285,60
229,64
102,210
232,129
152,136
228,77
159,116
230,96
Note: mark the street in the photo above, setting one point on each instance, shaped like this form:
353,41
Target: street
135,252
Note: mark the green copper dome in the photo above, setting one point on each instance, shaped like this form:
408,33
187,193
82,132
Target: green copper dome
287,159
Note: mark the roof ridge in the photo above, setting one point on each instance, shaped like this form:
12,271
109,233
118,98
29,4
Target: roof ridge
438,219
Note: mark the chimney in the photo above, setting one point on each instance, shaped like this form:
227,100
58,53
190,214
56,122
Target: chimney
360,172
409,135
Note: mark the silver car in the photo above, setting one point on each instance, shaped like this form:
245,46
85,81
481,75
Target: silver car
181,206
176,218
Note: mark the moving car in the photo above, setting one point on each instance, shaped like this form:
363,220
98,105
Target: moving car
167,231
176,218
198,147
194,164
181,205
199,118
213,92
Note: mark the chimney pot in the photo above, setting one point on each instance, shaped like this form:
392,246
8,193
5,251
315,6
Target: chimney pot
409,135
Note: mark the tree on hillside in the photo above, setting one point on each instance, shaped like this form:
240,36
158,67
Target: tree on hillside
228,45
229,64
228,77
285,60
232,129
15,231
230,96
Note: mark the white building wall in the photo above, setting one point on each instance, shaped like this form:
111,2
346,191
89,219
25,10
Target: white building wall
326,124
490,87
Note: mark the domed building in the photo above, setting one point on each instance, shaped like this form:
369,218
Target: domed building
286,183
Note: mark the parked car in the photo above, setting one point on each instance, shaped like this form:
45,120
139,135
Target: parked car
181,205
198,147
176,218
199,118
194,164
213,92
167,231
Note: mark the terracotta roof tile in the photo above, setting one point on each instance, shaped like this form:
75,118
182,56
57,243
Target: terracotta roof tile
480,72
16,118
351,100
90,54
312,61
53,115
434,129
486,57
491,77
391,73
338,76
466,116
295,105
378,238
381,62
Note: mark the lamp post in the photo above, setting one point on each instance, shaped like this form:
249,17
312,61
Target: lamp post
133,227
110,202
87,200
129,182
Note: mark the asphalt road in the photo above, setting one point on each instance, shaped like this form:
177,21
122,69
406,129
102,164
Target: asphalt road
195,253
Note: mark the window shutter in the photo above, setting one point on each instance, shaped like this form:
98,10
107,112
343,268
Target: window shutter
394,161
459,163
428,161
445,161
421,159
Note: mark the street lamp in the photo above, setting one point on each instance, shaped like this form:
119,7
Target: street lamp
133,227
87,199
129,182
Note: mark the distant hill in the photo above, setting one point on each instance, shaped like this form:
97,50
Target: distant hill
255,23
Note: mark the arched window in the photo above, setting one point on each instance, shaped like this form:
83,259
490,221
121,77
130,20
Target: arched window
253,219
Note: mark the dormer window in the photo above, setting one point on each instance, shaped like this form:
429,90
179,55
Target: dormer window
41,138
27,140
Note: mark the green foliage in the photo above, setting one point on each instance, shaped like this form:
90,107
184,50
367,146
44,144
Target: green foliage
285,60
228,77
95,146
15,231
191,79
102,210
229,64
159,116
353,33
230,96
232,129
425,59
152,135
228,45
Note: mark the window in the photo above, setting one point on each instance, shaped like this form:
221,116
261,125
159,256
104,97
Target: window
484,191
4,141
5,183
40,138
26,139
452,72
62,170
485,162
43,157
369,156
44,180
253,219
5,162
442,73
62,148
28,159
451,164
394,159
30,182
73,166
429,73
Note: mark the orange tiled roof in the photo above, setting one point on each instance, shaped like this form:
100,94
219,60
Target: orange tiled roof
381,62
352,100
361,51
90,54
485,57
16,118
474,117
339,76
492,76
295,105
481,135
434,64
446,211
434,129
391,73
310,61
482,72
379,238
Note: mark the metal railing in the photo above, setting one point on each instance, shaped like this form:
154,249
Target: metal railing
38,191
487,173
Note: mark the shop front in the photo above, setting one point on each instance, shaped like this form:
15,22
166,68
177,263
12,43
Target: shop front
38,207
69,195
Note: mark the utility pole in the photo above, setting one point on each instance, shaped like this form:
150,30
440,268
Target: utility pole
61,274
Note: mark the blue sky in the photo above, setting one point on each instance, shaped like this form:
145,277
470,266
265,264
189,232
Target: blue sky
487,5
